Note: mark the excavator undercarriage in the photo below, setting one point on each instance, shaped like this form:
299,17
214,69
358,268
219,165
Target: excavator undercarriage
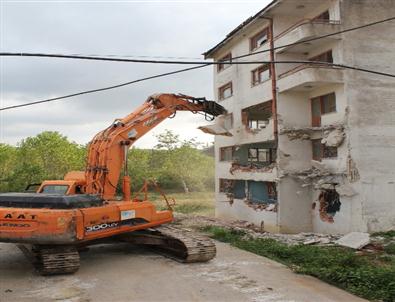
178,244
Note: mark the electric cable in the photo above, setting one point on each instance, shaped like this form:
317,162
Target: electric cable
200,65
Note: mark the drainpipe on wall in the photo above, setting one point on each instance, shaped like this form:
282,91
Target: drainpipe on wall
274,80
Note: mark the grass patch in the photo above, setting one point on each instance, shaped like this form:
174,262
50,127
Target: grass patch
390,248
198,203
386,235
339,266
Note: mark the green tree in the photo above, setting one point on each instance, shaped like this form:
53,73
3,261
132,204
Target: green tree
8,160
49,155
184,163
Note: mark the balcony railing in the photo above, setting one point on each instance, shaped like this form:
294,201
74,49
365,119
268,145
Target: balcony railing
305,21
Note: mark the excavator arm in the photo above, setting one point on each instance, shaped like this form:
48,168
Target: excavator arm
107,153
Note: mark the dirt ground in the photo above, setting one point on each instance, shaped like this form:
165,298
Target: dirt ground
123,272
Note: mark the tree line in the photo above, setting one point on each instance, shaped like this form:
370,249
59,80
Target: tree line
176,165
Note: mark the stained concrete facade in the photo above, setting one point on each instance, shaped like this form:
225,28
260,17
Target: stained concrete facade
343,116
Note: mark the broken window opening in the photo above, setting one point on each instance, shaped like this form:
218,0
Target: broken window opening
228,59
259,39
261,195
225,91
329,204
322,151
226,153
321,105
260,74
257,117
258,157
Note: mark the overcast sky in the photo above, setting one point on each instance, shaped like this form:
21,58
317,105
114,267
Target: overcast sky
126,28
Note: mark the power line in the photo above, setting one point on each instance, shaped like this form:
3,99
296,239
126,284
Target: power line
113,59
201,65
188,69
101,89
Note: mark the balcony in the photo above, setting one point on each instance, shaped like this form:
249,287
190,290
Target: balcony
307,76
305,30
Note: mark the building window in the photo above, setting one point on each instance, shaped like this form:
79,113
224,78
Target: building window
322,105
227,59
226,153
260,155
225,91
261,192
328,103
323,17
257,124
321,151
259,39
324,57
257,117
228,121
260,74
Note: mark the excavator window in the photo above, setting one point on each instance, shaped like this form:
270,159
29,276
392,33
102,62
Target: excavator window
55,189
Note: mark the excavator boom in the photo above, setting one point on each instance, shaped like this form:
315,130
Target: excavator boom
108,149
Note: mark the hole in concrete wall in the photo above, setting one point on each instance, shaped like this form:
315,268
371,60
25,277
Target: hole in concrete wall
329,204
259,195
258,157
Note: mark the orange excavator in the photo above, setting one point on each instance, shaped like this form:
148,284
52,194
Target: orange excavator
65,216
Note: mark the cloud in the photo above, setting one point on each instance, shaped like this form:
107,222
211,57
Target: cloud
105,28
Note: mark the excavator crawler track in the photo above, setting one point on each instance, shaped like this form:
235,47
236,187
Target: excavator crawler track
53,260
179,244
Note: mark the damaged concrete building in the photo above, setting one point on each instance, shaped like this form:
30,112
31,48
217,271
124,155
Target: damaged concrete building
307,147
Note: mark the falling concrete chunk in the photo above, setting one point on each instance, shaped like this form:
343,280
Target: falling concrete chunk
354,240
333,138
215,130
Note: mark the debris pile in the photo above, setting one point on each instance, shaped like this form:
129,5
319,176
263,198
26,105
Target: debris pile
255,232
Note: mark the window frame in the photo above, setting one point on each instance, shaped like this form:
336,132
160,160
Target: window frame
222,89
316,120
256,74
223,66
269,154
254,39
228,118
222,152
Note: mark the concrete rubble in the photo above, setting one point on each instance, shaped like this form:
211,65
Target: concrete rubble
255,232
334,133
354,240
